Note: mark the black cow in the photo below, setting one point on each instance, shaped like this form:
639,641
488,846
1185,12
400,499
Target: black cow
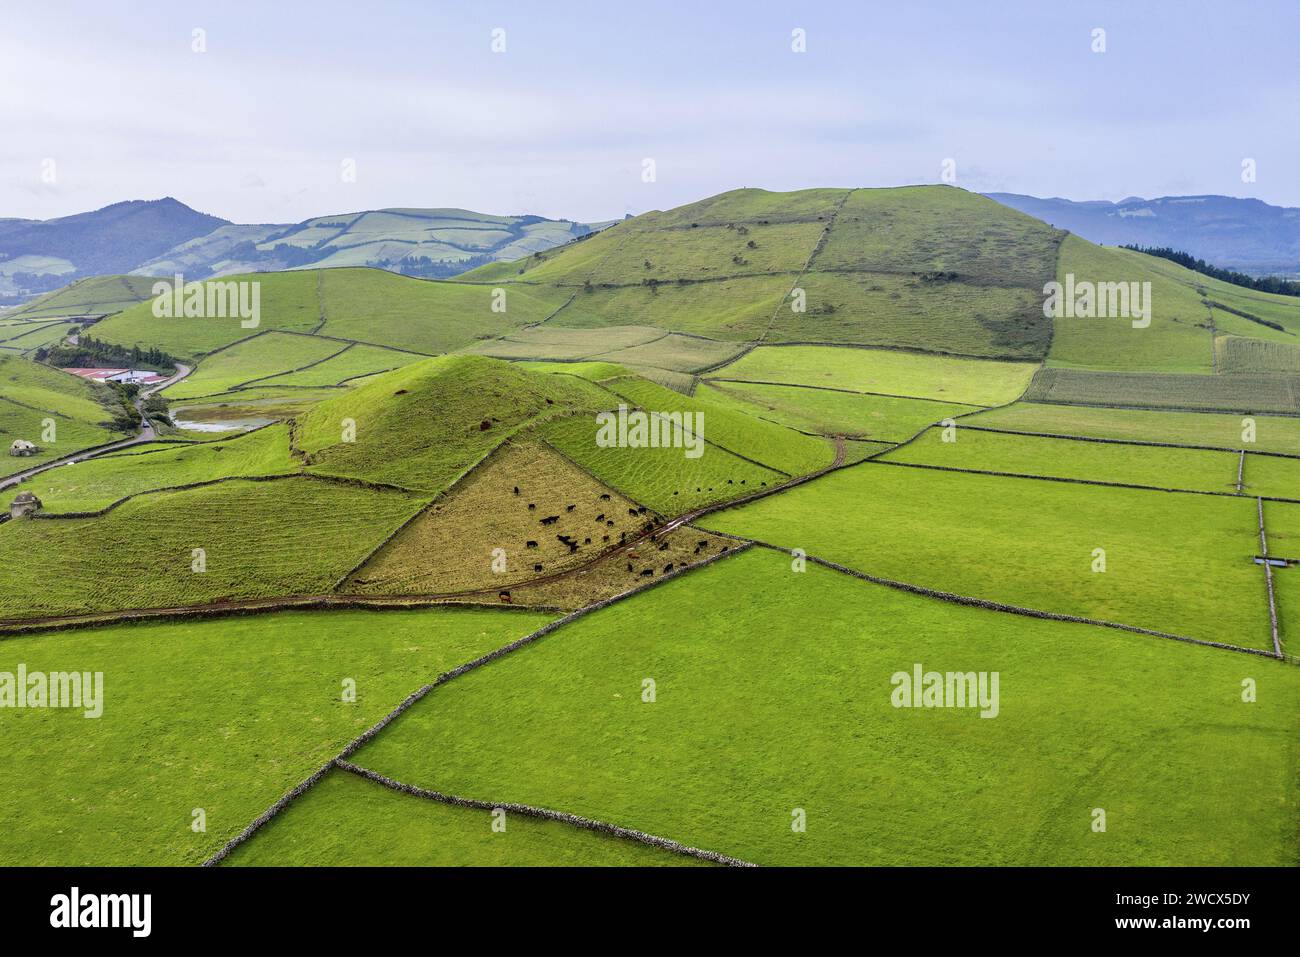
668,568
537,568
530,544
550,520
570,508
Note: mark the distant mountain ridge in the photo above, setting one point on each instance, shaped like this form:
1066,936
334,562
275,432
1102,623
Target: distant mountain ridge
1248,235
40,255
162,237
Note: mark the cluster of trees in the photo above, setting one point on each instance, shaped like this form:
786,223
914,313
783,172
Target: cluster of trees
31,282
422,267
1284,287
92,353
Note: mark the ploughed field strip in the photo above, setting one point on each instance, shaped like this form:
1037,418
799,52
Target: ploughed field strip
252,705
1210,430
661,477
967,447
729,426
1248,394
720,759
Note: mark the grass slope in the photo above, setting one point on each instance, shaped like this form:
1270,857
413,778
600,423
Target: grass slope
1272,434
970,381
261,539
97,483
348,821
1031,543
422,425
34,397
1064,458
260,357
224,715
726,425
876,417
755,715
662,478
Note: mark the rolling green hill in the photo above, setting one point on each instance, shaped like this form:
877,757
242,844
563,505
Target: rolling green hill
59,412
416,242
903,462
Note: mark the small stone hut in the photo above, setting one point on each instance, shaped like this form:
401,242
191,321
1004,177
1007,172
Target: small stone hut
25,504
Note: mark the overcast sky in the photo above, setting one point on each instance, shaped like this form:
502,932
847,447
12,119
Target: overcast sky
257,128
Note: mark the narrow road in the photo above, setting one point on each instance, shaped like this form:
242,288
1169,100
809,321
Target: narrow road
147,433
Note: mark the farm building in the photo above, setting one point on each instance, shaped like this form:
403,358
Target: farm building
126,376
23,505
23,447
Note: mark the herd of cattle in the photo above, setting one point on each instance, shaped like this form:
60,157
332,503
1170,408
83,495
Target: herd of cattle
602,528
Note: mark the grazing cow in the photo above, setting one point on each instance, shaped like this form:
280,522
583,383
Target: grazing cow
532,506
604,498
516,489
702,543
648,573
530,543
729,482
586,541
600,517
505,597
609,523
622,538
632,512
550,520
604,538
573,547
724,548
570,508
537,568
629,566
663,547
668,568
